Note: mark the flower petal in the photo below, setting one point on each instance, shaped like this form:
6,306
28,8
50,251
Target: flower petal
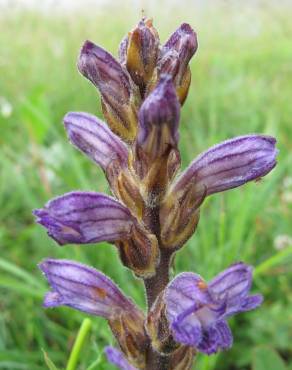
85,217
123,50
230,164
83,288
159,119
184,42
102,69
243,304
233,283
95,139
215,338
120,96
187,331
232,287
175,57
252,302
117,358
184,295
142,52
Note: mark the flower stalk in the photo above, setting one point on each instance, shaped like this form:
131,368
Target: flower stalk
153,210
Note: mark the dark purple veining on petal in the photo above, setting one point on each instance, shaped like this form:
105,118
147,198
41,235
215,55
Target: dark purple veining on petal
84,288
105,72
85,217
215,338
234,281
95,139
230,164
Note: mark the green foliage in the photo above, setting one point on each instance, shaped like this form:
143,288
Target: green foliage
241,84
266,358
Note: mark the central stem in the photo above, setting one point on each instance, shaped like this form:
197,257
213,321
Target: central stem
155,285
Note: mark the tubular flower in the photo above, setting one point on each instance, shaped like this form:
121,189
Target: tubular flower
88,217
153,209
224,166
197,311
86,289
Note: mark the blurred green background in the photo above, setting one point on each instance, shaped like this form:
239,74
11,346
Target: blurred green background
242,80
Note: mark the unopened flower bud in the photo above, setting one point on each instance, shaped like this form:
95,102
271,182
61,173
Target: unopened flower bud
154,157
158,328
159,119
140,251
175,57
142,53
129,331
119,95
179,217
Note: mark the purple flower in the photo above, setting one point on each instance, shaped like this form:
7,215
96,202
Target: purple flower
230,164
118,359
85,289
224,166
197,311
184,42
156,156
159,119
175,57
85,217
95,139
105,72
88,217
119,94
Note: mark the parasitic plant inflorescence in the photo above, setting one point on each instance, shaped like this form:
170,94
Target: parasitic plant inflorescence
154,208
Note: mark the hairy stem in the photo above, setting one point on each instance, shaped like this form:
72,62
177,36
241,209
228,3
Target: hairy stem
153,287
157,283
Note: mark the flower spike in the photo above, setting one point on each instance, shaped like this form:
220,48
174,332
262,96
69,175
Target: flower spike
153,210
